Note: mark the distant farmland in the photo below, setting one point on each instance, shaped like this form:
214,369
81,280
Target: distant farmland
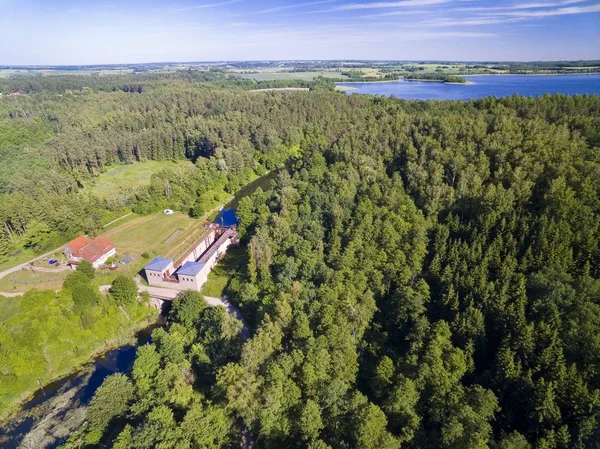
304,76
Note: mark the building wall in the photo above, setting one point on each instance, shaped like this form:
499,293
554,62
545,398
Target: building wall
202,277
201,247
189,283
156,278
104,258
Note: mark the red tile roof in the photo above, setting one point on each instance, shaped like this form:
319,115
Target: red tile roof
77,245
90,250
96,249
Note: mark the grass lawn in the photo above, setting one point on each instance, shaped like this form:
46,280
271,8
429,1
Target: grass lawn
157,234
223,272
23,256
120,180
24,280
10,307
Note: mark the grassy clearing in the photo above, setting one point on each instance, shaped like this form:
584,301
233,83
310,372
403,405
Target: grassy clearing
10,307
224,271
24,280
22,257
121,180
148,234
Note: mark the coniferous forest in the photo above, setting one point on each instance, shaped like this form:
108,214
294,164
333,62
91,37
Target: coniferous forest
419,274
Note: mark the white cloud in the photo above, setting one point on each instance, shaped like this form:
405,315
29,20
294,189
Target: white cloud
470,21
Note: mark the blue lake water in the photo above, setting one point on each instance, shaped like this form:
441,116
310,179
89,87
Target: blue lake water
484,86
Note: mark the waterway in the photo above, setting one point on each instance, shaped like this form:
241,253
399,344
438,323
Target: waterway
46,420
264,182
483,86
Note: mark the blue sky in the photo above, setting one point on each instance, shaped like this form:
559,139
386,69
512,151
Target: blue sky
88,32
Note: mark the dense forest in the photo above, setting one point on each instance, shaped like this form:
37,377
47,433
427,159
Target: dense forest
420,275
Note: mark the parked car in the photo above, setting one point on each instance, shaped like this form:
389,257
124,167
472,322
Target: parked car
168,211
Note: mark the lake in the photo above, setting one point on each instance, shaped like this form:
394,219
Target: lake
483,86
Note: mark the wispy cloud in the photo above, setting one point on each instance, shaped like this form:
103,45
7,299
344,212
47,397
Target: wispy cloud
405,4
521,6
515,13
373,34
469,21
551,12
404,12
207,5
384,5
294,6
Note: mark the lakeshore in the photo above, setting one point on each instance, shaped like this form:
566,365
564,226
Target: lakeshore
483,86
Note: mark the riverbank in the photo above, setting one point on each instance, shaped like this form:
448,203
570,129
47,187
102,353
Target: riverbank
48,418
415,80
369,82
128,336
486,86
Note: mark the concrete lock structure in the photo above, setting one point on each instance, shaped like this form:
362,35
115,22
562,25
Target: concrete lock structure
190,272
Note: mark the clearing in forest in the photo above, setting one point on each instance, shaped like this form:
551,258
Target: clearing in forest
120,180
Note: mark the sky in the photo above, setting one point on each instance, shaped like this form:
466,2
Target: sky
70,32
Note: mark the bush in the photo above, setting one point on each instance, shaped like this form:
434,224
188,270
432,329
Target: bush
86,268
124,290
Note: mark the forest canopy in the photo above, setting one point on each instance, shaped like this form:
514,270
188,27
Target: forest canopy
420,274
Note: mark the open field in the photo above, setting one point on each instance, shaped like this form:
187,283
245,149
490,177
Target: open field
123,179
149,235
5,73
10,307
24,280
305,76
282,89
158,234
